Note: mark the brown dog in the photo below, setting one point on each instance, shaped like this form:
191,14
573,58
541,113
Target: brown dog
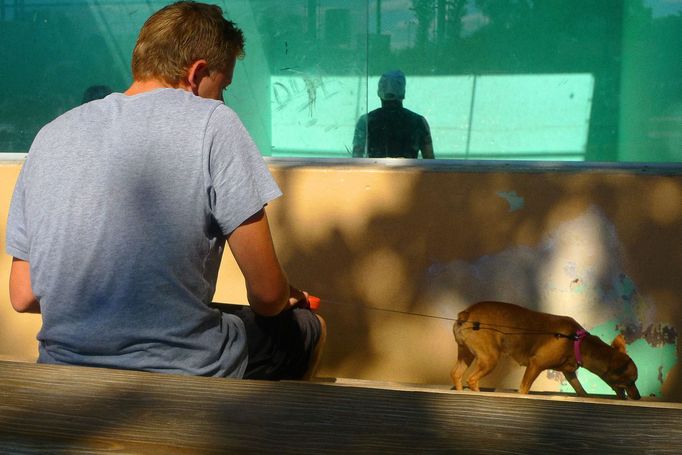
539,341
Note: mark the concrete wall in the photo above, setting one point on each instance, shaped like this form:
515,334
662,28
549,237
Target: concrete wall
396,250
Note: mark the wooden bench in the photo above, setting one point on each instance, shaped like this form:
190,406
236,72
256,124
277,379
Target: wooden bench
57,409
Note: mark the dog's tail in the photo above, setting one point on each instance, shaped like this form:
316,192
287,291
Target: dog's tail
462,317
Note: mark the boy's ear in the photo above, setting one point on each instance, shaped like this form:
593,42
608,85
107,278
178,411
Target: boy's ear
618,343
197,71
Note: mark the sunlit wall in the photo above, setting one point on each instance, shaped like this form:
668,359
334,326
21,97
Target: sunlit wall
580,80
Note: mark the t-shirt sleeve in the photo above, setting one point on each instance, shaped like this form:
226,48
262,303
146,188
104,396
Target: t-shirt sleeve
239,182
16,242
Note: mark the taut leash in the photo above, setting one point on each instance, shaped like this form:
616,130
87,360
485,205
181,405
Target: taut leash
577,337
374,308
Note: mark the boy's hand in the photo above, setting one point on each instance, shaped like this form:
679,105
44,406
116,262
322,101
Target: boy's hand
298,298
301,299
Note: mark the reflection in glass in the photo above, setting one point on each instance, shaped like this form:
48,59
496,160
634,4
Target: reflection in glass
392,131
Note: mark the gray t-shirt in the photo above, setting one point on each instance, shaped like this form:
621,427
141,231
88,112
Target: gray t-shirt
122,209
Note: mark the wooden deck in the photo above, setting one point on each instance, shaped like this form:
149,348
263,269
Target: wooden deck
54,409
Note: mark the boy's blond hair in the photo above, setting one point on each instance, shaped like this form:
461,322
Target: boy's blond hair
178,35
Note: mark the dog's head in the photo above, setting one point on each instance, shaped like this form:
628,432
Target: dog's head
621,374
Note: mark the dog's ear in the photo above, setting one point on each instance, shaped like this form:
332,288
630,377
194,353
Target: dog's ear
618,343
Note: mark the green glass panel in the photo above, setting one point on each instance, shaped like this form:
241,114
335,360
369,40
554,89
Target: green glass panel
580,80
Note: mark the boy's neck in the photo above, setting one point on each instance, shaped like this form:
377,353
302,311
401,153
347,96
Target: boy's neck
138,87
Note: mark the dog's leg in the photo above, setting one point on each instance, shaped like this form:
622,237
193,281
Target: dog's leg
482,366
620,393
464,359
572,379
529,376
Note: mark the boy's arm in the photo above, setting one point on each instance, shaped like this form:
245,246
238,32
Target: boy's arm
267,286
20,292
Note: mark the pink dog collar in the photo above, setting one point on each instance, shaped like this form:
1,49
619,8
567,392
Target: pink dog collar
580,334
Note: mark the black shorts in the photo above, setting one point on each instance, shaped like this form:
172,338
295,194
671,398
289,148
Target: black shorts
280,347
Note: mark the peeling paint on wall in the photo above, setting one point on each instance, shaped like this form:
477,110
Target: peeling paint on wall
576,270
515,201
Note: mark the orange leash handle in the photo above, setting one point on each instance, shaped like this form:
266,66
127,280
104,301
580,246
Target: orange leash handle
314,302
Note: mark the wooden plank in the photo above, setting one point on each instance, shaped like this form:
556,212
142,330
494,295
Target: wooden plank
57,409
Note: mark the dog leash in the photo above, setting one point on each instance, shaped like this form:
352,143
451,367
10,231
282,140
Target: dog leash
319,300
476,325
577,337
